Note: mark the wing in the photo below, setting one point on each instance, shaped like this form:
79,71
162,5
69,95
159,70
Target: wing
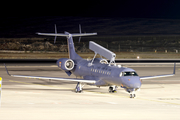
53,78
159,76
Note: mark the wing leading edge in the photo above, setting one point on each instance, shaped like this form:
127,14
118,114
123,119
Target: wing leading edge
53,78
159,76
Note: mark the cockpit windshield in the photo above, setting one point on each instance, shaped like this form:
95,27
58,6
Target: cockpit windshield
132,73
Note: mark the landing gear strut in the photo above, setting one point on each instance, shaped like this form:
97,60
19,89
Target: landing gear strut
78,88
112,89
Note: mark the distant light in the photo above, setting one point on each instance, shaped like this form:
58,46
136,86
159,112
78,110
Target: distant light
137,57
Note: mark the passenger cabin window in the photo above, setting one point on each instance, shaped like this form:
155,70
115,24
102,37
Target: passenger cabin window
128,74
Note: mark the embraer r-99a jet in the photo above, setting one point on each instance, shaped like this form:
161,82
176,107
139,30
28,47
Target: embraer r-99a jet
98,71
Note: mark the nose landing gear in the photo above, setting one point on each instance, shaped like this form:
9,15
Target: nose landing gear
132,94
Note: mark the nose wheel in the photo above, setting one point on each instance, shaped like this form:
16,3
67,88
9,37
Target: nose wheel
132,95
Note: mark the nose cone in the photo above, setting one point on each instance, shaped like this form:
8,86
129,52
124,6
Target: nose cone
132,82
137,85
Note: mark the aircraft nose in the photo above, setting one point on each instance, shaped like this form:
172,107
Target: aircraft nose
137,85
133,82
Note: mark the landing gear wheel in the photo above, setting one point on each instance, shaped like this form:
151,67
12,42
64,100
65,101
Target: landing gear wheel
78,88
132,95
112,89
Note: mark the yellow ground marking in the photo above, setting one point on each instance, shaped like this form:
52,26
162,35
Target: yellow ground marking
40,85
0,82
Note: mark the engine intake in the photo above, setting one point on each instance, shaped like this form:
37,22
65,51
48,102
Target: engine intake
65,64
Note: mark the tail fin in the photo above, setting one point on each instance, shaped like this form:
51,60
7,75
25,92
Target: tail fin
72,53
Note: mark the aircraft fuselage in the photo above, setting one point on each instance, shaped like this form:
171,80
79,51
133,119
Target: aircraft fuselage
106,75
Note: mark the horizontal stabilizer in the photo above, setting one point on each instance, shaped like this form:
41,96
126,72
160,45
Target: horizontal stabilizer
67,34
83,34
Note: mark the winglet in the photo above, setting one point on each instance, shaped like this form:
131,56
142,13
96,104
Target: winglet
6,69
174,69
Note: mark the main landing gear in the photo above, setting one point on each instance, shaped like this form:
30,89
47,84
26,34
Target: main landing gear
112,89
79,87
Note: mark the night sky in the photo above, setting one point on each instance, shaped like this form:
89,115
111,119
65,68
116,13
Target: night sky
166,9
146,16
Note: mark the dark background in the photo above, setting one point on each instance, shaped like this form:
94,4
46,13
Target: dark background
120,18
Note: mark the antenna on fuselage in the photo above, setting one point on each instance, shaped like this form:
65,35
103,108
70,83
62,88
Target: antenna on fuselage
98,49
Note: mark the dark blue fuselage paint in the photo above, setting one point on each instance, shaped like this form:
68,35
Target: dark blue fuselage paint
104,74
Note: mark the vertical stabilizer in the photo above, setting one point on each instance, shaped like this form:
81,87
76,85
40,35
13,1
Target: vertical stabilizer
72,53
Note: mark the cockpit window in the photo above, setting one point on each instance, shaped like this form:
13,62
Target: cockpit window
129,74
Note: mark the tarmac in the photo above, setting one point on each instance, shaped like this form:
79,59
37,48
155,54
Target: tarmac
32,99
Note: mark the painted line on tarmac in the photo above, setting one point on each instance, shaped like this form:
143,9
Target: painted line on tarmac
40,85
113,103
157,101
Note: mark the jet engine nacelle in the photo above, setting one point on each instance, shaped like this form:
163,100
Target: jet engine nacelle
100,60
65,64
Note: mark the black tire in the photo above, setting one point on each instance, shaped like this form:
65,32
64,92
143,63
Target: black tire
131,95
110,89
134,95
